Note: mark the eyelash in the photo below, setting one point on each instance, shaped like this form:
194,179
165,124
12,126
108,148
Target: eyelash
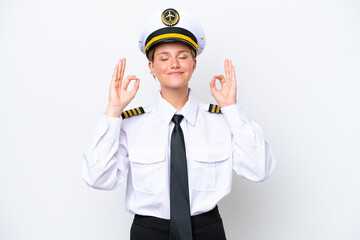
181,57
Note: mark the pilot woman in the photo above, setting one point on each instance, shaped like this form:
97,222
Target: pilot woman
176,154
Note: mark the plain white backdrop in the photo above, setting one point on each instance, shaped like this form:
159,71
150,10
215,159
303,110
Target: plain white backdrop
298,73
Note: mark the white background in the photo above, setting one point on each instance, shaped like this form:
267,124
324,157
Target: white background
298,76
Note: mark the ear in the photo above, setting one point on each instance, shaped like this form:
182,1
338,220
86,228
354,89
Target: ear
151,68
194,66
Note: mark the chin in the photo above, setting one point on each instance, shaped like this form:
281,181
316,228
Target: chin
173,85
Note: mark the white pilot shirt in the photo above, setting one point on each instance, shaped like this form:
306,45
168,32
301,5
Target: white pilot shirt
137,149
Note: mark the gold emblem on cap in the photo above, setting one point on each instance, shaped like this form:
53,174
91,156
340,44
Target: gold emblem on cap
170,17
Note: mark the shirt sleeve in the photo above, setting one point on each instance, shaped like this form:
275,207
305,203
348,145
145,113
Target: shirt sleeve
252,155
106,162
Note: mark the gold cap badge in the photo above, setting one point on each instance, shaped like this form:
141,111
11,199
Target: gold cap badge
170,17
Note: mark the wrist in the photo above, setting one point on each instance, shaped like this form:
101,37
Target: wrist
112,111
226,104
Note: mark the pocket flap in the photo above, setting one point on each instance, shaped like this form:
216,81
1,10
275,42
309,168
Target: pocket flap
146,155
213,153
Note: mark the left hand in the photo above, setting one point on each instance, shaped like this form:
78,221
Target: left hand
226,95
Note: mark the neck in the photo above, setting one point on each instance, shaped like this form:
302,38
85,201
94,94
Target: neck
176,97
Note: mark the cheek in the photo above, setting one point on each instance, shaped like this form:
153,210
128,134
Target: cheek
159,68
190,66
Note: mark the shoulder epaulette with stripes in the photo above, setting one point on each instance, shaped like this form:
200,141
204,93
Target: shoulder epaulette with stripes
132,112
214,108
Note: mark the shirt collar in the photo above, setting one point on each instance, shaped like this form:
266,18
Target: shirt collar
167,111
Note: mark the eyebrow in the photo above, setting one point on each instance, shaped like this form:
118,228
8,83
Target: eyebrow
181,51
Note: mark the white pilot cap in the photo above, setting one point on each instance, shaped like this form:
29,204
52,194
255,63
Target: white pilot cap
172,26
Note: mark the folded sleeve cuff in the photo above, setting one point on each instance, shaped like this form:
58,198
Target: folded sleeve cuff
113,126
240,124
232,114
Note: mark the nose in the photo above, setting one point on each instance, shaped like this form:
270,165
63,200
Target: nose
175,63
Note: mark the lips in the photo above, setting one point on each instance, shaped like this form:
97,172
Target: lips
175,73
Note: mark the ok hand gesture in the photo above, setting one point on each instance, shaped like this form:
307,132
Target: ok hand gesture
119,96
225,96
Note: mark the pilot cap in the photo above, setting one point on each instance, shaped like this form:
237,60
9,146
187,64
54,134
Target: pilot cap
171,25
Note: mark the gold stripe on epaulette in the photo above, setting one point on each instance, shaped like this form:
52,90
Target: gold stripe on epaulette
214,108
132,112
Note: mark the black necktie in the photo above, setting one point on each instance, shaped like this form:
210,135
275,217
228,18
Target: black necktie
180,220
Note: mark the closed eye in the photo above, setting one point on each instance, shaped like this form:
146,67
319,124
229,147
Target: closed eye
183,56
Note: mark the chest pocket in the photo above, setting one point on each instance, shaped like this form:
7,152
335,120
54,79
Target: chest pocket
148,169
212,168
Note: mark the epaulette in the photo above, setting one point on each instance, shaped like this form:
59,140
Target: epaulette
132,112
214,108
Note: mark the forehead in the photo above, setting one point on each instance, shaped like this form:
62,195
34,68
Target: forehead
172,47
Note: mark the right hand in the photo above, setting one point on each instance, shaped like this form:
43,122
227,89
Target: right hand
119,96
